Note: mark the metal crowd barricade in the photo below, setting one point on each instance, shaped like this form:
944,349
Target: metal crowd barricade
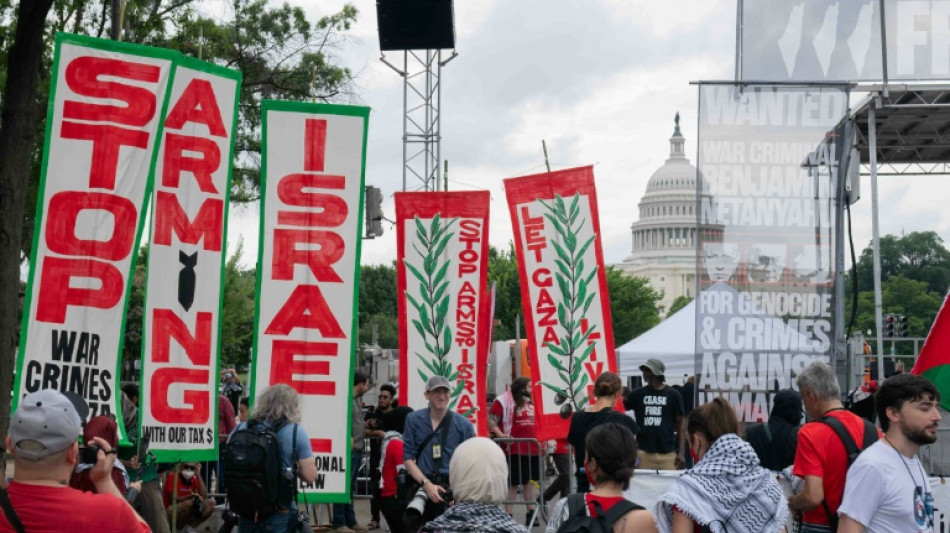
936,457
364,489
539,514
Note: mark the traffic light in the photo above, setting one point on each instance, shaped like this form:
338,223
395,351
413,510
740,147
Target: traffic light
890,325
374,212
900,329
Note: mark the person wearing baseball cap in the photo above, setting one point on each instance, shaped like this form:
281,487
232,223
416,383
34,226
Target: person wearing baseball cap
43,439
429,440
659,412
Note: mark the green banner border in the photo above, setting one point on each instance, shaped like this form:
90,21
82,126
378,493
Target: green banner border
322,109
201,454
111,46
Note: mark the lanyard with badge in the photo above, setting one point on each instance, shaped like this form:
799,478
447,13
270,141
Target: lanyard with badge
921,497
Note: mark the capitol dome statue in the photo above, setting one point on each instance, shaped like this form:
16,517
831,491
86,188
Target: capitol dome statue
664,238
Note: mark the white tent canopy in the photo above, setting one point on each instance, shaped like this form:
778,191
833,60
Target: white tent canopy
672,341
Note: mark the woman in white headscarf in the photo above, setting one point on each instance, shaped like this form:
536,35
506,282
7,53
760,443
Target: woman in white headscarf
478,475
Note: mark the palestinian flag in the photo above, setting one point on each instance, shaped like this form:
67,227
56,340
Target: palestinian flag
934,360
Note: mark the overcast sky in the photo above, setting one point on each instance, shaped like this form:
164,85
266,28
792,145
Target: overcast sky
599,80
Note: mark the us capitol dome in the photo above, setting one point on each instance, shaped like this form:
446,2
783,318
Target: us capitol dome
664,238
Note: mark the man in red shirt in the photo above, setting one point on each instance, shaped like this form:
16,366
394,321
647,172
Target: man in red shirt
821,459
193,505
43,441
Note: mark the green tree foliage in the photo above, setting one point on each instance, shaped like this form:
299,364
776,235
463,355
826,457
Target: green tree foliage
132,345
378,305
679,303
915,274
237,311
902,296
503,273
632,305
920,256
387,329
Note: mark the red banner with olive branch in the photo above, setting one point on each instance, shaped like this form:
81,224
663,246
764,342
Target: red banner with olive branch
564,291
444,319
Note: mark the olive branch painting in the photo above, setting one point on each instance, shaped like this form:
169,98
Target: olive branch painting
568,355
432,300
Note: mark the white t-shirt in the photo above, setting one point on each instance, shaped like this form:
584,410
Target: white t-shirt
887,492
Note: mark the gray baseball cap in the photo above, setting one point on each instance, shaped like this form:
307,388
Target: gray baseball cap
437,382
46,417
655,366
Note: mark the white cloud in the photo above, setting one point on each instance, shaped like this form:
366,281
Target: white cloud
670,18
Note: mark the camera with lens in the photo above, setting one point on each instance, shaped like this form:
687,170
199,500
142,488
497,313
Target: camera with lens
229,519
402,478
303,522
197,506
89,454
417,504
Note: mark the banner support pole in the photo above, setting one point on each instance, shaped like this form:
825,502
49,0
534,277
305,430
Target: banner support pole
517,354
842,353
876,239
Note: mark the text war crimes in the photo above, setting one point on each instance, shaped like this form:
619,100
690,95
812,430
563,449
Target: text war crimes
74,367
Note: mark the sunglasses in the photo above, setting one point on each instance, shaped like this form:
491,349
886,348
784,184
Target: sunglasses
188,467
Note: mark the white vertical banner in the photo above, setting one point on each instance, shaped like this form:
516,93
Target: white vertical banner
769,159
187,253
106,104
307,316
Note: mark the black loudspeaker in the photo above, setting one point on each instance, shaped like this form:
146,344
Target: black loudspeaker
415,24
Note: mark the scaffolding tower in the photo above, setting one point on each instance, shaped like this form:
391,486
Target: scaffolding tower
421,123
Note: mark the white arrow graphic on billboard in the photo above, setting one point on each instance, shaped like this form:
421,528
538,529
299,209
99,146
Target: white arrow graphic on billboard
790,41
825,40
860,40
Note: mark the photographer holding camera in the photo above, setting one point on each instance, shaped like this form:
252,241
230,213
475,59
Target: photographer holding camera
43,440
431,437
105,428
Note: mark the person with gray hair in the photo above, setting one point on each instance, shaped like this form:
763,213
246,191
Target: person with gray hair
478,475
43,439
278,408
821,458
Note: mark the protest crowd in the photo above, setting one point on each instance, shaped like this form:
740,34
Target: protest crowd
433,474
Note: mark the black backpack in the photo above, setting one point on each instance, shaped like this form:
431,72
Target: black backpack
851,449
578,521
256,485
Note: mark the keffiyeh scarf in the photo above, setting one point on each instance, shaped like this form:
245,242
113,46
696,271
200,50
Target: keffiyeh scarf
728,491
390,435
82,467
508,409
474,517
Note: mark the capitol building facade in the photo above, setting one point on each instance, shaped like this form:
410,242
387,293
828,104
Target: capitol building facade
664,238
